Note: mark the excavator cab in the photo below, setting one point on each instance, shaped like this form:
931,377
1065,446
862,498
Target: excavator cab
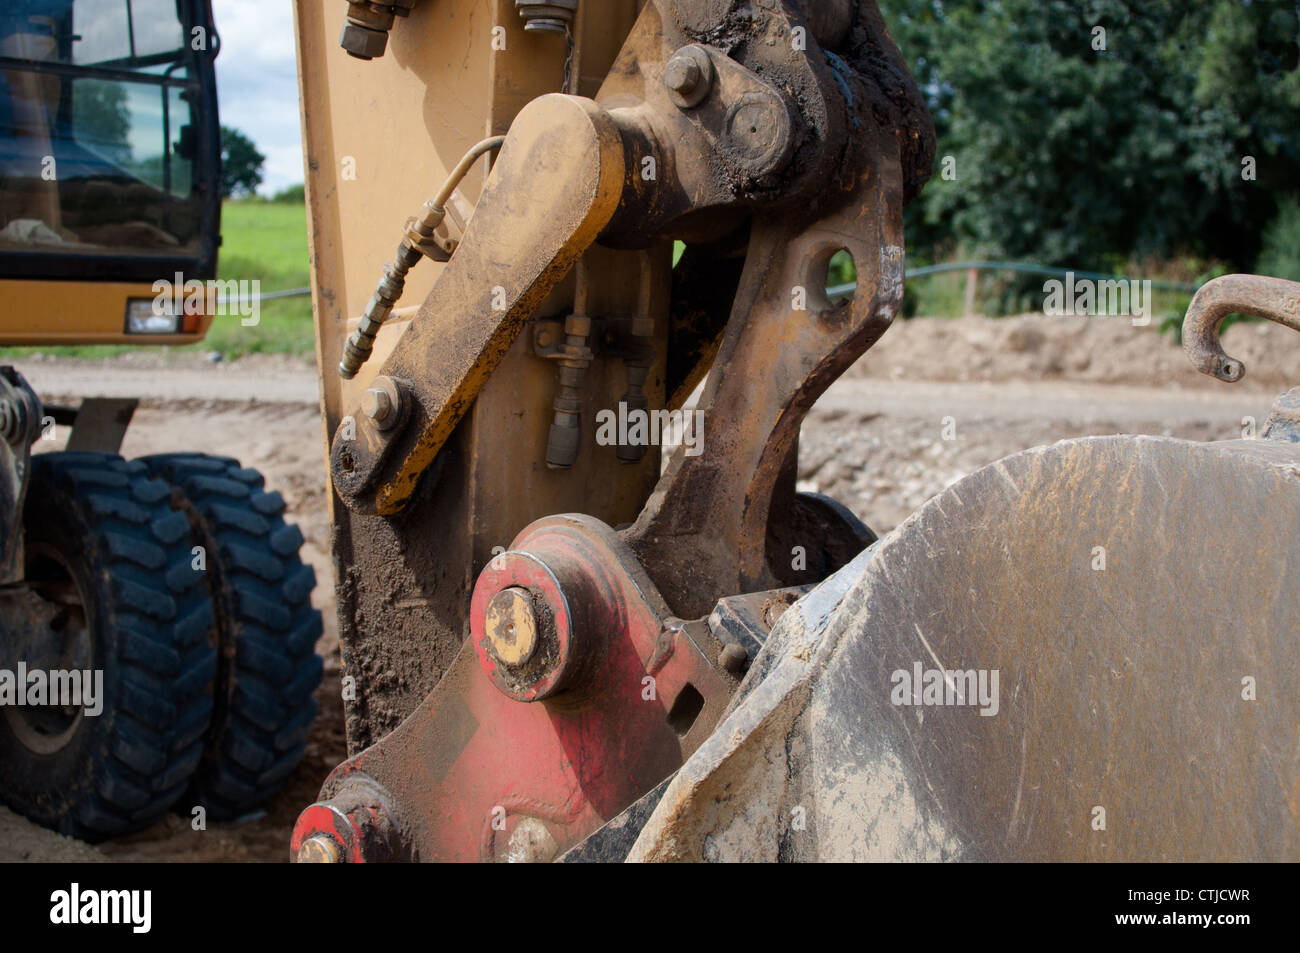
110,166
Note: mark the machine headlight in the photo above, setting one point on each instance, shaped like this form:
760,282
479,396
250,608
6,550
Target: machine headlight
141,318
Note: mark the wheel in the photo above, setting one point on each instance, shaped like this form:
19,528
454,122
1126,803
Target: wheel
268,668
109,588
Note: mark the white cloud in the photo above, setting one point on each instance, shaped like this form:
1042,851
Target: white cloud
257,83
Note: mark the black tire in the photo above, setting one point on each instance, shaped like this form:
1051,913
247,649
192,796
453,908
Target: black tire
268,669
111,561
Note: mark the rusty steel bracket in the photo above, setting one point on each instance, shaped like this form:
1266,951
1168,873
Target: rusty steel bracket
704,531
576,693
1276,299
862,142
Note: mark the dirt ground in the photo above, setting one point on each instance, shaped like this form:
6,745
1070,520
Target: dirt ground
933,401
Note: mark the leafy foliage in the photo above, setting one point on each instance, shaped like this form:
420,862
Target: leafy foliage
241,164
1079,148
1281,253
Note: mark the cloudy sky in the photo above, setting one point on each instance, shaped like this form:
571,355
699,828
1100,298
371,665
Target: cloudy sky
257,83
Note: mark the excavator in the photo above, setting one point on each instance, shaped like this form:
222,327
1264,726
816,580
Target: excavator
164,597
567,641
569,269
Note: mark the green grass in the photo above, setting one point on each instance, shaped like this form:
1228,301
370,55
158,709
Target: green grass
265,241
261,240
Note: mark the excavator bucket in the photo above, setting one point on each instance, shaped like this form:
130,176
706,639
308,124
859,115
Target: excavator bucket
1082,652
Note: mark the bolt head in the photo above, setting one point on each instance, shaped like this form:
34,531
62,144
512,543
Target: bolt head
688,76
642,327
758,133
376,404
320,849
511,626
682,75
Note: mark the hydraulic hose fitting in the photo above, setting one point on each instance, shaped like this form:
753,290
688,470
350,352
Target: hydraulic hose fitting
549,16
365,33
565,436
421,238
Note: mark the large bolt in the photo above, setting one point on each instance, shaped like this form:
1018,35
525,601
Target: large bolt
511,626
382,403
688,76
759,132
376,405
733,658
683,75
531,842
357,824
320,849
539,621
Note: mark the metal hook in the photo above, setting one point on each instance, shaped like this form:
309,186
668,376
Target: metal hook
1272,298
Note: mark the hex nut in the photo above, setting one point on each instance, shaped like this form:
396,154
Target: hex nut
682,75
578,325
384,403
688,76
363,42
376,405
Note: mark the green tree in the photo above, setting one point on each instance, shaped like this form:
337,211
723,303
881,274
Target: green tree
241,164
1077,147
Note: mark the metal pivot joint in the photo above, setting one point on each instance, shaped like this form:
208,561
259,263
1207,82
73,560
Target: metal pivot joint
576,693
